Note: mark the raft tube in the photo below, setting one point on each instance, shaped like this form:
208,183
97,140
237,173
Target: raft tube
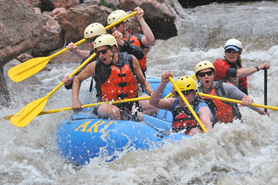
84,137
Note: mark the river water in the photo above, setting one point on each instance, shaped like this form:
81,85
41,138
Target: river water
238,153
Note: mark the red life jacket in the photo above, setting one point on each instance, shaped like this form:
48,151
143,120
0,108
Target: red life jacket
241,82
183,118
120,85
182,121
135,41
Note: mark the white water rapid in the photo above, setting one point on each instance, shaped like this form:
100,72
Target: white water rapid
238,153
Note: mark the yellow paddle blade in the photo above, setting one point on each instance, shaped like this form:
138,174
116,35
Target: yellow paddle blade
32,66
8,117
28,68
27,114
30,111
187,104
19,114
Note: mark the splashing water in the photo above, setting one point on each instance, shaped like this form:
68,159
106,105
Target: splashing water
238,153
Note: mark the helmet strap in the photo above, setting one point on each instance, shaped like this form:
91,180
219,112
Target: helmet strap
113,54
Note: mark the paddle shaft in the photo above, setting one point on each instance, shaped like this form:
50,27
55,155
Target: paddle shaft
233,101
187,104
265,88
170,94
83,40
85,106
236,101
106,28
72,74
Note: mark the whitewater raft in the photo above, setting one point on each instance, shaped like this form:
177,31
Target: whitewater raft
84,136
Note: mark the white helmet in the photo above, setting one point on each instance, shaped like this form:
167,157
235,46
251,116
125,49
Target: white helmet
105,40
93,30
233,44
115,16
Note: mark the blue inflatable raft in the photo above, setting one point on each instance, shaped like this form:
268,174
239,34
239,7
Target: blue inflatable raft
84,136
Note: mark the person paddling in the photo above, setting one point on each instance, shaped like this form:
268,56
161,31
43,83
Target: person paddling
230,68
183,120
226,112
91,32
118,73
125,37
134,44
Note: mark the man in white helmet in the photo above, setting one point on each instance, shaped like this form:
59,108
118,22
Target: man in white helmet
91,32
111,68
226,111
125,37
230,68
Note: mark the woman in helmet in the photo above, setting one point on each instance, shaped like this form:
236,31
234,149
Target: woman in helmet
124,37
111,68
183,120
226,112
230,68
91,32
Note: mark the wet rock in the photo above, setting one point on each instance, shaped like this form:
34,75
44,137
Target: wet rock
61,3
20,31
75,20
159,15
52,36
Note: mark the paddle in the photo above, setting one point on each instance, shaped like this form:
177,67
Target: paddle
232,100
8,117
34,65
265,88
30,111
170,94
236,101
187,104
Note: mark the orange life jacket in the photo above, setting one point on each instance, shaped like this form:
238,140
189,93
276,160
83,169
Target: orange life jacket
135,41
117,81
120,85
224,112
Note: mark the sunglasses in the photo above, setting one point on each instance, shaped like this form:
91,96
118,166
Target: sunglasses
186,92
90,40
209,73
104,51
117,25
231,51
